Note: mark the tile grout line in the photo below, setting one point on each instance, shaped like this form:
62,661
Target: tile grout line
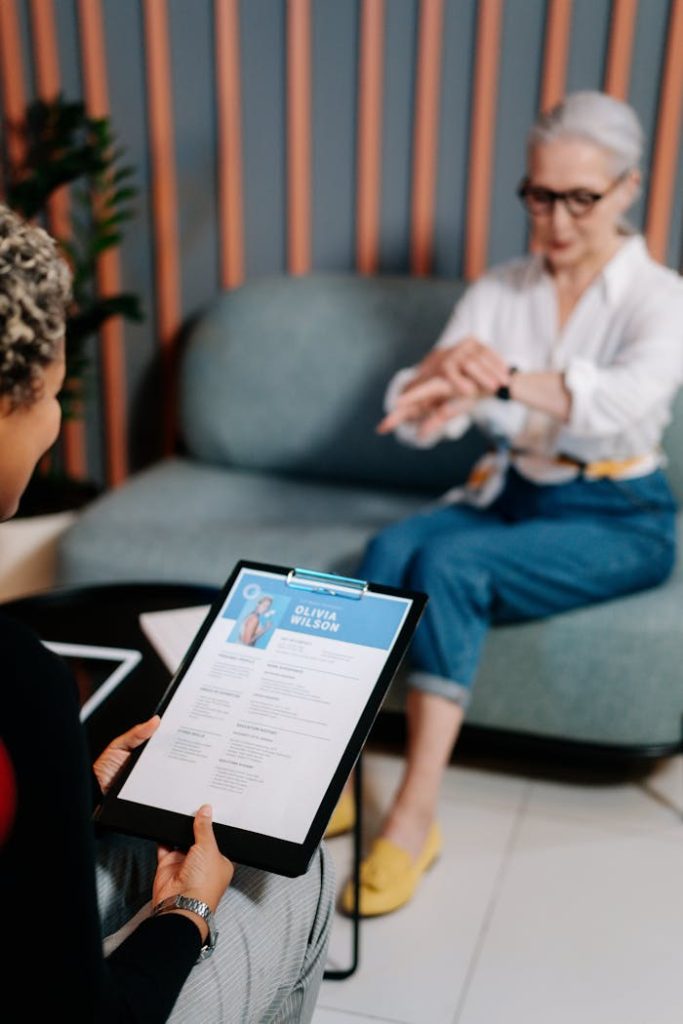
622,830
493,900
360,1014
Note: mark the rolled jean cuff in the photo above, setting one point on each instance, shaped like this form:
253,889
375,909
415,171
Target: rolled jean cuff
442,687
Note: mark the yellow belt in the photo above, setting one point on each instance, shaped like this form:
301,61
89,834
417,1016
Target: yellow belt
602,468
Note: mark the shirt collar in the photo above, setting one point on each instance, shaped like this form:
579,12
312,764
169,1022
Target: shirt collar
615,278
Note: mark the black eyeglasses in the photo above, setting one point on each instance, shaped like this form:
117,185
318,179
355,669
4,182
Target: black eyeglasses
540,201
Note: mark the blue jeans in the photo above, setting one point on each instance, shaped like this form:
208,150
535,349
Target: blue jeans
537,550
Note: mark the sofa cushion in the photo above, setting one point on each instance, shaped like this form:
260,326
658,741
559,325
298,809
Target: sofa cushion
184,521
588,674
613,671
609,674
673,447
288,375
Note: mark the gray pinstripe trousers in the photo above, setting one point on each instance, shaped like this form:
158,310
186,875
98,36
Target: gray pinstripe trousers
273,940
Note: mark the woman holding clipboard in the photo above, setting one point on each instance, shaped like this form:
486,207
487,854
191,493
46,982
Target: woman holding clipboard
258,941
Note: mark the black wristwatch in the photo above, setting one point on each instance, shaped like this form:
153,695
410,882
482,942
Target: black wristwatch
503,391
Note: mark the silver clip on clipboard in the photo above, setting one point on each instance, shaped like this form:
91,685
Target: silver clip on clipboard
327,583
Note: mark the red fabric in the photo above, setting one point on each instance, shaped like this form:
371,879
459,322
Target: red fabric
8,794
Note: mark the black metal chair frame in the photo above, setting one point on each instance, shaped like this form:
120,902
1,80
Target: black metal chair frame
341,975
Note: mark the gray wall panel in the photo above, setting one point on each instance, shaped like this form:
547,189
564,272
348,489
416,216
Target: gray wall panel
66,27
518,96
263,125
400,48
24,23
334,105
589,34
194,108
128,103
454,130
648,52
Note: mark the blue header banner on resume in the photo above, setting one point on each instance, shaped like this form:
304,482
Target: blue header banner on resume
369,622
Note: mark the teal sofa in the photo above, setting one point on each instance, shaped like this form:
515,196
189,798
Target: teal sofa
281,386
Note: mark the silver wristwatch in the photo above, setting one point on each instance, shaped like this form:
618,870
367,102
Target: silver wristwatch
198,907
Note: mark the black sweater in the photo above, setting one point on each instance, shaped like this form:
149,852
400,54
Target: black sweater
48,906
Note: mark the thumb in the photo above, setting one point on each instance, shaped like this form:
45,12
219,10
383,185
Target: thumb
203,826
135,736
145,729
139,733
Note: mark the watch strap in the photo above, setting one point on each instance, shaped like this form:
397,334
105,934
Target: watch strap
503,392
195,906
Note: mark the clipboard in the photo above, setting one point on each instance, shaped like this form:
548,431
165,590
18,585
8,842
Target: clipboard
267,714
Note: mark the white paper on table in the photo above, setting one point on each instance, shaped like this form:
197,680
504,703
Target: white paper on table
172,631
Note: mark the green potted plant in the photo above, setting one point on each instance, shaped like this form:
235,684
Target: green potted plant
64,146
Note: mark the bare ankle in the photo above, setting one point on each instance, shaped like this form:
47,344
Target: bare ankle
408,827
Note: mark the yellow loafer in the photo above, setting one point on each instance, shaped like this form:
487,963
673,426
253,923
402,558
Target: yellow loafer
343,817
389,876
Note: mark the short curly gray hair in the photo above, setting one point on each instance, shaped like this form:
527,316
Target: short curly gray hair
35,289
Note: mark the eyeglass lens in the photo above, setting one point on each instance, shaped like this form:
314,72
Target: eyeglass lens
540,200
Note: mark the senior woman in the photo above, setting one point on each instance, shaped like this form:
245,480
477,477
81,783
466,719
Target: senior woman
273,932
568,360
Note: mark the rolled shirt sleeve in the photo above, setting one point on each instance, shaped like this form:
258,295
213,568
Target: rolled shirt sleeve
639,384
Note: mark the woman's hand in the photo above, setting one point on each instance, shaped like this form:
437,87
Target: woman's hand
428,407
472,369
448,383
203,872
112,759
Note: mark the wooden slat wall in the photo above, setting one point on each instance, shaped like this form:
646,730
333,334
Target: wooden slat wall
12,77
235,72
667,139
94,66
299,136
371,69
46,62
164,204
229,143
426,135
620,50
482,139
556,55
14,103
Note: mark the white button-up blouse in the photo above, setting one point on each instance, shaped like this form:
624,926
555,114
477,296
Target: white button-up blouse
621,353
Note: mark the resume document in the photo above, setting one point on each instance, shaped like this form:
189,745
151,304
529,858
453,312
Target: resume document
259,723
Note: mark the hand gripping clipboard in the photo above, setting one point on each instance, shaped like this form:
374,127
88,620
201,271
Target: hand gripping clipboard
267,714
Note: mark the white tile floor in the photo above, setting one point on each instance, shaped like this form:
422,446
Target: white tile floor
554,902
